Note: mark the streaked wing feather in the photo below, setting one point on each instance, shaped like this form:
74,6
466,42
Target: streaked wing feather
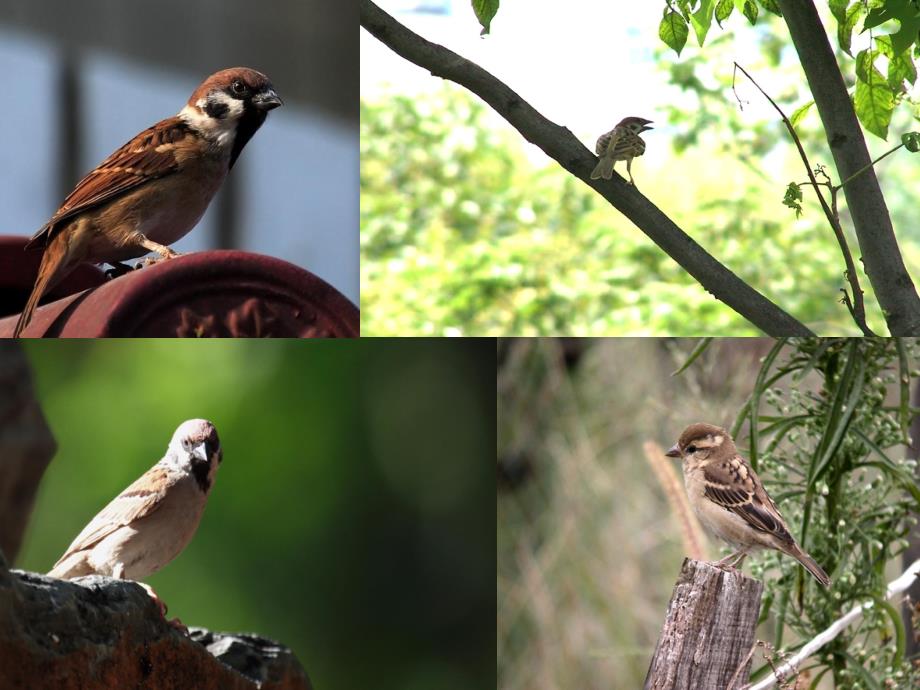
735,486
137,501
131,166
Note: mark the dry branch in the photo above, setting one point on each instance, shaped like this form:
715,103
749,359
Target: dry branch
708,630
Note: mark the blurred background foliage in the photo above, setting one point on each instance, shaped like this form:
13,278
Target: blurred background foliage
589,547
467,230
351,518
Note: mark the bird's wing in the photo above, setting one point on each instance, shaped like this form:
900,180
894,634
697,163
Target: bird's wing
139,500
735,486
607,140
148,156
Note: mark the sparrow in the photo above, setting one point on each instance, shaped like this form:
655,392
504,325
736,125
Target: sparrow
154,189
729,499
148,524
622,143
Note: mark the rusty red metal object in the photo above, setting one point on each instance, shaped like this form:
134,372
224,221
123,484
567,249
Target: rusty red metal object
205,294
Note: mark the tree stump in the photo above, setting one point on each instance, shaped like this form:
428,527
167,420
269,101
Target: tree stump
708,630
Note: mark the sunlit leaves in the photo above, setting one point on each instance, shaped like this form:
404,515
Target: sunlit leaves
911,141
702,19
799,114
673,31
873,100
485,11
724,10
906,13
793,198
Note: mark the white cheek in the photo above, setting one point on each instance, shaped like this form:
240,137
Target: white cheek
220,131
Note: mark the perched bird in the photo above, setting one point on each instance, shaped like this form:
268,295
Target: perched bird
729,499
622,143
154,189
148,524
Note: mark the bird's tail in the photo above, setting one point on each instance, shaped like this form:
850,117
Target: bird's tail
49,273
809,564
604,168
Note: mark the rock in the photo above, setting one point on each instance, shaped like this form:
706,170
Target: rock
97,632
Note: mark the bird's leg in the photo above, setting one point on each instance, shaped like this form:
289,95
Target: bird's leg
161,605
629,172
731,562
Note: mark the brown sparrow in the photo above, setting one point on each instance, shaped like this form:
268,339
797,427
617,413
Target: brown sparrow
622,143
154,189
729,499
148,524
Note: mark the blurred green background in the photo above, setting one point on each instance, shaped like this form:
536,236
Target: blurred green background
352,516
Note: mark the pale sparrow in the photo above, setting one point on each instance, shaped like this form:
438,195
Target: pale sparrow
148,524
729,499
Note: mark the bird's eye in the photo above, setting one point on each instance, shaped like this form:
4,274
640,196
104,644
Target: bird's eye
238,87
691,449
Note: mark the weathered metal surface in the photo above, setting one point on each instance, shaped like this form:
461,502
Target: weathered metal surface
206,294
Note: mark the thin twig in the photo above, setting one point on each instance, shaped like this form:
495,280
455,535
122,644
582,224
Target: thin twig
866,167
857,307
900,584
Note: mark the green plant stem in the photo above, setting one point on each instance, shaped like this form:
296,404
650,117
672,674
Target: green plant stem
857,307
864,168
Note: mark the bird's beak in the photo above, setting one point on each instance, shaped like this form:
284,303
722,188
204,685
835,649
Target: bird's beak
645,127
673,451
200,452
267,100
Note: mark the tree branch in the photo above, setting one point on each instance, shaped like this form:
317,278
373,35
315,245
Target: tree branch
857,307
880,252
561,145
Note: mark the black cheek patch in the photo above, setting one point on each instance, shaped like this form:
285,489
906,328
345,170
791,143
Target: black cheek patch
200,472
216,109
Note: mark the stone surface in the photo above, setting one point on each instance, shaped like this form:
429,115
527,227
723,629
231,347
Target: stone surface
96,632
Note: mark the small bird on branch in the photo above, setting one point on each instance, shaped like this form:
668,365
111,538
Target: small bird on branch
729,498
622,143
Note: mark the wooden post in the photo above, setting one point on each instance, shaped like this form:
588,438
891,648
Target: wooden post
708,630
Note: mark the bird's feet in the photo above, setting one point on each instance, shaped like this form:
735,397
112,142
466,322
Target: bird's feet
151,260
161,605
731,563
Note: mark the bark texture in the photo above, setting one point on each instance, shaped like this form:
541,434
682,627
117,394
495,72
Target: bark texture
708,630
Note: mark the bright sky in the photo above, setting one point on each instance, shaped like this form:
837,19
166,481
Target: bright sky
584,64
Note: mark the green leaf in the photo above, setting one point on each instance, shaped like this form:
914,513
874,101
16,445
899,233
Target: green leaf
485,11
874,100
750,11
702,19
724,10
906,13
838,9
901,69
800,113
911,141
673,31
845,28
698,350
771,6
793,198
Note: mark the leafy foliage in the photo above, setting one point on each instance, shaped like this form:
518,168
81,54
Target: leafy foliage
462,235
485,12
835,449
877,94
